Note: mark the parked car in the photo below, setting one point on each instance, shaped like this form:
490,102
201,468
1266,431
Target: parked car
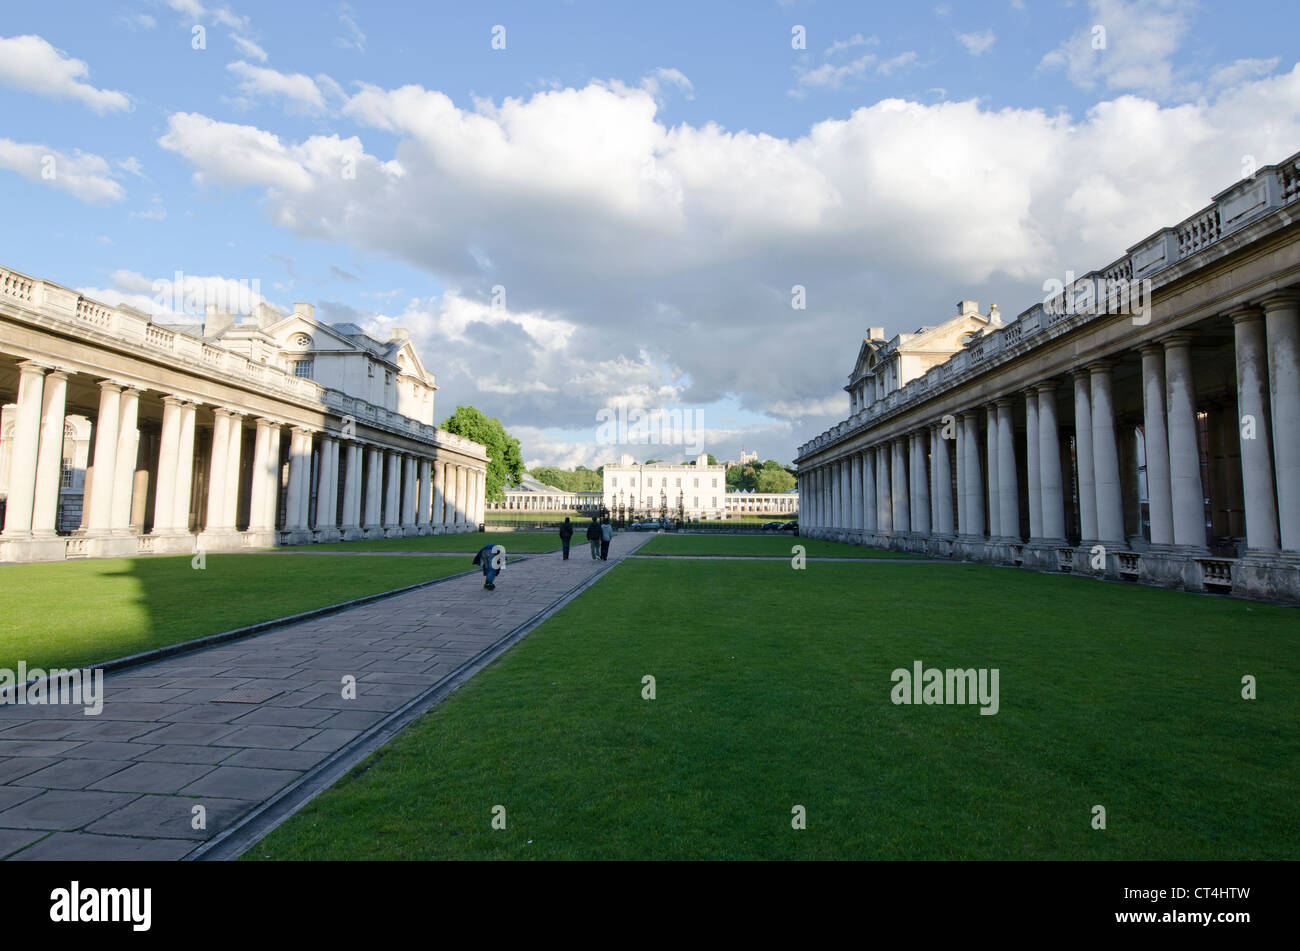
791,526
646,526
772,526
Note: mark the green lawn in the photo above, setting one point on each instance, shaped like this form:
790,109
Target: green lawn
521,542
774,544
773,690
86,612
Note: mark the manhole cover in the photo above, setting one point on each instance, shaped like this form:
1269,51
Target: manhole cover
248,695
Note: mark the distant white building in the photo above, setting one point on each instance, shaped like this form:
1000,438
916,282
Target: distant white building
699,489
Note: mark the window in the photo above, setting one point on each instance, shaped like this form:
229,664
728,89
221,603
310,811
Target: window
715,502
696,503
65,478
663,483
697,483
613,483
388,378
370,368
715,483
677,483
302,368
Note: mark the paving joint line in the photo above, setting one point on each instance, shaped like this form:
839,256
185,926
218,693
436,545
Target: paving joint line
272,813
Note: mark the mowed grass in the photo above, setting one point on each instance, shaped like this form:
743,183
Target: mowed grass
87,612
776,544
773,691
521,542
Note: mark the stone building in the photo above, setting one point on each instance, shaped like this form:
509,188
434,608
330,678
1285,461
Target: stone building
278,429
699,490
1143,423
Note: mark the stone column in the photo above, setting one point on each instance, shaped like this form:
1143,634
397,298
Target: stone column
1084,460
959,460
164,516
1107,486
327,495
993,457
943,508
1282,326
1186,491
1008,482
1256,451
1049,464
185,468
1033,472
855,493
974,477
902,515
299,461
272,514
439,492
462,496
99,517
480,491
921,480
392,495
1159,504
422,516
871,522
884,492
374,490
263,470
234,470
352,502
25,449
128,442
911,482
407,503
217,468
49,458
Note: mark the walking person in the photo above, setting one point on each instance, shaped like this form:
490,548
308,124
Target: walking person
492,558
606,536
566,535
593,536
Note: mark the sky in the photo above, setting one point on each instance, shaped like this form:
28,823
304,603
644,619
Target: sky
578,208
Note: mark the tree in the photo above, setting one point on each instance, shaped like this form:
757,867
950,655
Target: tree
773,478
505,463
712,459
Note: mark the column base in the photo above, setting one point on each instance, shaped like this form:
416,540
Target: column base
24,548
165,543
258,538
372,531
296,536
352,533
410,531
326,536
392,531
224,539
424,530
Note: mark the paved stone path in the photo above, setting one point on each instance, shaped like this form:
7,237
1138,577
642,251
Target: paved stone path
125,784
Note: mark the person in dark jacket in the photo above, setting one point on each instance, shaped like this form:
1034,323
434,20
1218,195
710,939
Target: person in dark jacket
606,536
566,533
593,536
492,558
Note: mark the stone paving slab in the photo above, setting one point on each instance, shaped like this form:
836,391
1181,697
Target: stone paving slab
124,784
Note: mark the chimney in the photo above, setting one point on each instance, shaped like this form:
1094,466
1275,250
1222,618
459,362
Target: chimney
625,459
965,307
266,315
876,333
401,333
216,321
305,310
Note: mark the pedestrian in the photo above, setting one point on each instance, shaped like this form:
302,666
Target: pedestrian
492,558
593,536
566,534
606,536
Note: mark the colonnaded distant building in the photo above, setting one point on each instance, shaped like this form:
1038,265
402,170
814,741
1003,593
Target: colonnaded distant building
1142,424
122,436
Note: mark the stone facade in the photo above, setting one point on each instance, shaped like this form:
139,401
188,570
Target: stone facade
699,489
1142,424
216,438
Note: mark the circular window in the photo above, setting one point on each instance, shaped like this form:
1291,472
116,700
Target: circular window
302,341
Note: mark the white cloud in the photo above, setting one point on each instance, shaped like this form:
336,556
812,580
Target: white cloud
31,63
654,82
298,92
830,76
656,263
80,174
248,48
977,44
355,39
857,39
177,298
1126,45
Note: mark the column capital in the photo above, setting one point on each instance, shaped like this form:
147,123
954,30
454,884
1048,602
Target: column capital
1281,300
33,366
1151,346
1244,312
106,385
1046,386
1097,367
1179,339
1004,401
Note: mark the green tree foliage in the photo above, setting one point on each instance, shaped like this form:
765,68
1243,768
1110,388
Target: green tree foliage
505,463
774,478
580,479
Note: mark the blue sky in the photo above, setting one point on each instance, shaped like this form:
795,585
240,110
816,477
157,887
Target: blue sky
646,181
